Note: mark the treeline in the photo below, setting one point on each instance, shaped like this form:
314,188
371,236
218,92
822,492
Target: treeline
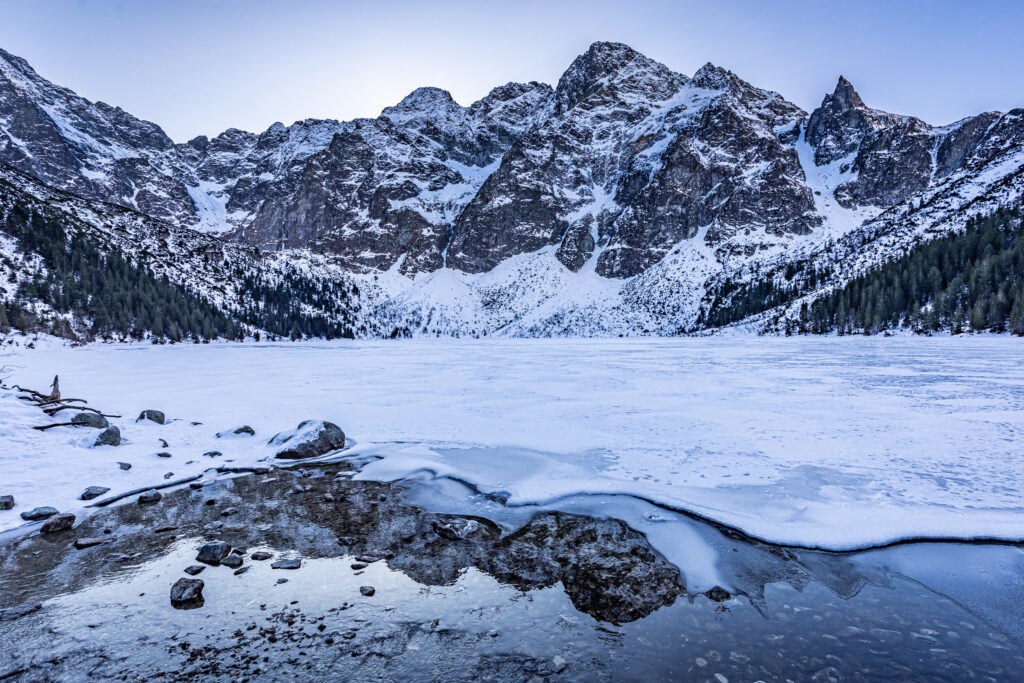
971,281
294,306
98,293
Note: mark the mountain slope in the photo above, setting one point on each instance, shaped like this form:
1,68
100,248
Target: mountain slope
628,199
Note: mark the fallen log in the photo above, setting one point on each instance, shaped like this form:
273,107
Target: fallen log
113,499
43,428
53,411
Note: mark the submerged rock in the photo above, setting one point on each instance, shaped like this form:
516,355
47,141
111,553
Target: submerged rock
61,522
244,430
213,552
187,593
6,502
152,415
36,514
93,492
87,419
310,439
111,436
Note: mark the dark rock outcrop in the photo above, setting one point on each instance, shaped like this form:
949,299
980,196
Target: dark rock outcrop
309,440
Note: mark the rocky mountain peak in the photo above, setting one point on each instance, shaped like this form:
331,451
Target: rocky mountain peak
713,77
424,103
593,69
837,127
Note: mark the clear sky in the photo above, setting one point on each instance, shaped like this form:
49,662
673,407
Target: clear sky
202,66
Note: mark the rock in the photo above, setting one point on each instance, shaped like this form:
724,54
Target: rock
93,492
261,555
358,565
280,581
310,439
6,502
187,593
124,465
82,543
213,454
163,443
210,501
227,512
164,454
111,436
456,529
168,475
151,415
287,563
368,591
239,551
195,485
86,419
233,561
164,529
718,594
36,514
242,570
194,569
213,552
244,430
150,497
61,522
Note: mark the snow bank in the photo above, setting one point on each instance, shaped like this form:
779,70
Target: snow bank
836,443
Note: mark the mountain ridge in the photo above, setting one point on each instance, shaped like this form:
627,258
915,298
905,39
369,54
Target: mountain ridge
624,196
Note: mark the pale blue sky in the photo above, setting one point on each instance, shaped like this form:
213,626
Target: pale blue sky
202,66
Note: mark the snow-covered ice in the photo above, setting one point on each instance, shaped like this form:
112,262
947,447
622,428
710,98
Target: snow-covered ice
835,443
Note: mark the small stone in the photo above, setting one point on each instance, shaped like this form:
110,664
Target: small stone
163,454
87,419
212,454
493,633
261,555
6,502
211,501
163,443
82,543
242,570
244,430
194,569
282,581
93,492
227,512
213,552
124,465
358,565
195,485
168,475
239,551
187,593
195,424
348,635
368,591
328,498
287,563
151,415
61,522
36,514
150,497
164,529
111,436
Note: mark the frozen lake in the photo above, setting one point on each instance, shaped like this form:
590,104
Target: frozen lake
823,442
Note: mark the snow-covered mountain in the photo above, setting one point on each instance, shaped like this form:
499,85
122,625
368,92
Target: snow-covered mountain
618,202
